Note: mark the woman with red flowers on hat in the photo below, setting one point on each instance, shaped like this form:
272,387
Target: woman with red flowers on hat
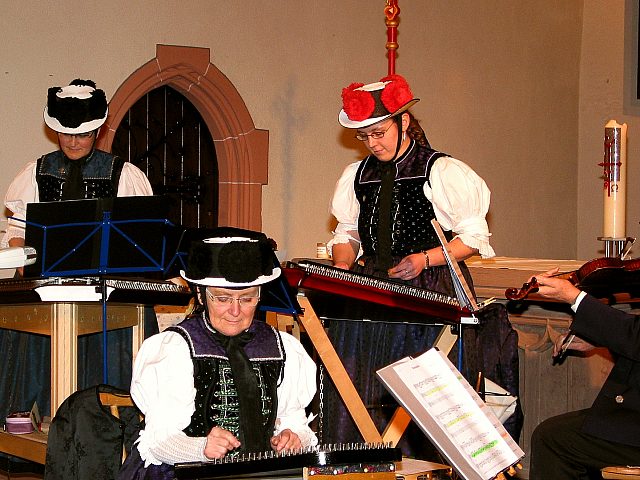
384,205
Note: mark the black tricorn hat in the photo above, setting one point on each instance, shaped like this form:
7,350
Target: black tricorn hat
231,258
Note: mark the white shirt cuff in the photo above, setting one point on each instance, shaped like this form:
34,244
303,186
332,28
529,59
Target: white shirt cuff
579,298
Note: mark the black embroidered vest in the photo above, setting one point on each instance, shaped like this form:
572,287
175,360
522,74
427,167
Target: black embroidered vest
411,211
216,402
101,175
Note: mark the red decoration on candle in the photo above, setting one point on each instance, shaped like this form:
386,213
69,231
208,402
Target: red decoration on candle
614,167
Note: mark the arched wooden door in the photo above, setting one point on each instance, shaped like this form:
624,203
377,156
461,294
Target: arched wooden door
241,150
165,136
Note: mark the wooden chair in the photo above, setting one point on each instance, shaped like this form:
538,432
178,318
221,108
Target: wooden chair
627,473
114,402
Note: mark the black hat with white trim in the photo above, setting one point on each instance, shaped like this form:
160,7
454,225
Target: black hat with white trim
77,108
231,258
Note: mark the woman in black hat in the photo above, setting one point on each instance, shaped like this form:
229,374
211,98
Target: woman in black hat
221,382
77,170
384,205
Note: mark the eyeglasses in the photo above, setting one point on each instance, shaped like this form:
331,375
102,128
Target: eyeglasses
225,301
363,137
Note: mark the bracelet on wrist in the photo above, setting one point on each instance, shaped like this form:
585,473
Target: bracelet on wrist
426,258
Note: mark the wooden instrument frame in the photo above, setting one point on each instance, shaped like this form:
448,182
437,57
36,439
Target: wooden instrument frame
348,393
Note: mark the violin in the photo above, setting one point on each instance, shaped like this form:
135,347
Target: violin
600,277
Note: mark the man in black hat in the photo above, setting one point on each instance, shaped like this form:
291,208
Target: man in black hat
77,170
221,382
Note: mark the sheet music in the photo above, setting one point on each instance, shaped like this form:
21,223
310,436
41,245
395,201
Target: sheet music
463,292
452,415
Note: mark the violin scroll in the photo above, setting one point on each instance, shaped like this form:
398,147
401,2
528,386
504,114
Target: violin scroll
519,294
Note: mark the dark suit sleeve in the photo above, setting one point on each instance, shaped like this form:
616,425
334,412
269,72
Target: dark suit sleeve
608,327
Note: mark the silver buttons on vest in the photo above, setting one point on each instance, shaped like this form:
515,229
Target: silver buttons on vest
619,399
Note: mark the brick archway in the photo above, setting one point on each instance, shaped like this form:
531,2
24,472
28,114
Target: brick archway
241,149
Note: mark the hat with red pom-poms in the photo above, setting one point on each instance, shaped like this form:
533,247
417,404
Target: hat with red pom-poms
363,105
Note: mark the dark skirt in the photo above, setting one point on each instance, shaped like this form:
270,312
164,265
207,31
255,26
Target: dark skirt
133,469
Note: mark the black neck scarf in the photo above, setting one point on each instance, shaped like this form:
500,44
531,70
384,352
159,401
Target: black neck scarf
73,188
252,432
383,252
384,232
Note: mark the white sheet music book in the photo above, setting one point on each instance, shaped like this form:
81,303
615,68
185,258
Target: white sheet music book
454,417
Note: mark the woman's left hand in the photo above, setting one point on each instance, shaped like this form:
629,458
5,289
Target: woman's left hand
285,440
409,267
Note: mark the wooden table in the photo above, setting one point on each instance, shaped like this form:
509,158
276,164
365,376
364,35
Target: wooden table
492,276
64,322
30,446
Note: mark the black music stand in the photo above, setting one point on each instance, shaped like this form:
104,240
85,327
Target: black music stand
97,237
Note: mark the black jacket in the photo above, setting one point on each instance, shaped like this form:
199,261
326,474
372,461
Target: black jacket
85,440
615,413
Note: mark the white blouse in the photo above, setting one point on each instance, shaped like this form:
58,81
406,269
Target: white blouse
459,196
162,387
24,189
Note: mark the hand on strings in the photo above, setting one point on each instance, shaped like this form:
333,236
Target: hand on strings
341,265
286,440
409,267
550,286
219,443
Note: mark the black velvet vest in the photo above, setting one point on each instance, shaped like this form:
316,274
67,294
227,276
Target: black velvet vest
101,175
216,398
411,211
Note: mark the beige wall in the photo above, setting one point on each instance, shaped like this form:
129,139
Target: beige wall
519,90
601,99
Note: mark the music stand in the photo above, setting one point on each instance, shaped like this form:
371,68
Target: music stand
98,237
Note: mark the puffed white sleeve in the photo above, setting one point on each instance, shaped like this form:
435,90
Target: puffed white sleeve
345,207
23,190
133,182
460,199
296,391
162,387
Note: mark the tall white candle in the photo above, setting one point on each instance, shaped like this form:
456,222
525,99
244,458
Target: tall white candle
615,172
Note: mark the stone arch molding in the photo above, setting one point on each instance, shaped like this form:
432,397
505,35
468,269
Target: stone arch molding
241,149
